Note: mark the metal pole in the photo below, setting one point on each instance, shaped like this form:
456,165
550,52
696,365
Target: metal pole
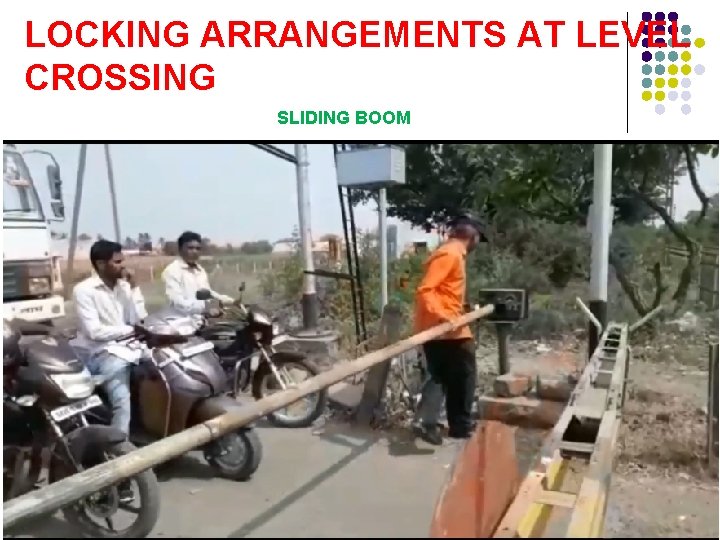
309,299
382,233
503,337
113,197
601,225
75,220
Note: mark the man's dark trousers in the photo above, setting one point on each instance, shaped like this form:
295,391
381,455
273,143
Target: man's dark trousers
452,369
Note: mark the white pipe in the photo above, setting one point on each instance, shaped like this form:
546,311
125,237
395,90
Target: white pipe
601,222
382,233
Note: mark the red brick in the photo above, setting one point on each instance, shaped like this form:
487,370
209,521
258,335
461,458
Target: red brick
510,385
521,411
554,389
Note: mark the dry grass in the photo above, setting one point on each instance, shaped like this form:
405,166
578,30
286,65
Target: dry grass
664,432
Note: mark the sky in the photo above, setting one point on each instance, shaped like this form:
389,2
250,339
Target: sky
227,192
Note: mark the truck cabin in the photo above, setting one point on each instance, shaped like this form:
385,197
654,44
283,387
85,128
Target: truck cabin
28,271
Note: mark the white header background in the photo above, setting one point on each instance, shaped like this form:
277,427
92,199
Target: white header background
453,93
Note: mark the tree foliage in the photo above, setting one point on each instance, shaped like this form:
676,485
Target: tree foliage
256,248
513,185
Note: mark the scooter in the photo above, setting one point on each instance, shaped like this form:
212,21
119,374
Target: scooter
178,383
246,348
47,393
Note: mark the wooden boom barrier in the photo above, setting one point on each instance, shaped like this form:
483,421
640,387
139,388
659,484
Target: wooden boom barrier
78,486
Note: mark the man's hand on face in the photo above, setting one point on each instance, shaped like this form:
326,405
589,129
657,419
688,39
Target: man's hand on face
129,276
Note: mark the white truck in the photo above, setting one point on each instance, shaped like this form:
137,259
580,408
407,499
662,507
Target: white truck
31,280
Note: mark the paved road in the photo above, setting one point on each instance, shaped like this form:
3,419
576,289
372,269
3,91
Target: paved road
328,482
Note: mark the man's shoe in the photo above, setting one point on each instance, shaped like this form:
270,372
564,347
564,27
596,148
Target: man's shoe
457,433
429,434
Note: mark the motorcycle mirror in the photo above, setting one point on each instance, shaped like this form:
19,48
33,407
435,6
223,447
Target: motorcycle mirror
203,294
242,287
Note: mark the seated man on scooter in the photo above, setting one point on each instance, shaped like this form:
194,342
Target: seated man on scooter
108,305
184,277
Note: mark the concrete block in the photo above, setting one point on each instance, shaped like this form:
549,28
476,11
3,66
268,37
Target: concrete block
554,389
521,411
510,385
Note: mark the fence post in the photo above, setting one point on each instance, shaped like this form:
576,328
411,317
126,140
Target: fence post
712,409
376,381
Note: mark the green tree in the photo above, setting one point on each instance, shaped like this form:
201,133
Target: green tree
511,182
256,248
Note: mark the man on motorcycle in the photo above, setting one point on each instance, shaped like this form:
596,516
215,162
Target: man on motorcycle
108,306
184,277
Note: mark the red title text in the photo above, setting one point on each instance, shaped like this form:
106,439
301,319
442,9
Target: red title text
404,34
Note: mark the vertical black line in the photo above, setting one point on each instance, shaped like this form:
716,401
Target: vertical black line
627,78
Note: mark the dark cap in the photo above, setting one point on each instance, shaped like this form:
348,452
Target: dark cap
471,219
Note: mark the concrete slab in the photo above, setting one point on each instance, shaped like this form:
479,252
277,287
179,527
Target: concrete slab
335,482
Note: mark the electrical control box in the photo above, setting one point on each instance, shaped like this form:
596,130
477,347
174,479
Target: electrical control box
511,305
371,168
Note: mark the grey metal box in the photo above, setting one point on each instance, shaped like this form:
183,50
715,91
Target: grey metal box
371,168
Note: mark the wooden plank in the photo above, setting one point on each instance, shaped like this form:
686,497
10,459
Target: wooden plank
589,512
712,408
556,498
522,515
376,381
78,486
533,522
529,489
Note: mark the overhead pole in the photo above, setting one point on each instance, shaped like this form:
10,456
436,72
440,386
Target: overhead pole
75,220
601,225
383,242
113,195
310,307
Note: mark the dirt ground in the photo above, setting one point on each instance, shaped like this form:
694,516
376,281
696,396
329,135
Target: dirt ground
662,486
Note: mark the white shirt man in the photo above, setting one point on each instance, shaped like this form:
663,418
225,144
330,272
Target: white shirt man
184,277
106,314
107,306
182,282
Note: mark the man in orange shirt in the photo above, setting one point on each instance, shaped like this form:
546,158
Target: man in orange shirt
440,297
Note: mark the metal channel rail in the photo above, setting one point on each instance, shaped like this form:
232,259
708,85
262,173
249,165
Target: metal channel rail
566,494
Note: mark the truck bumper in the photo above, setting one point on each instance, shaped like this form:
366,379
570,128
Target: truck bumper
41,309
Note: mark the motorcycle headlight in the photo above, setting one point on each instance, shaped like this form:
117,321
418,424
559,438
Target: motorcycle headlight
75,385
276,330
39,285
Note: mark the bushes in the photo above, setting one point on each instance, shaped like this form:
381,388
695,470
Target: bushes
551,261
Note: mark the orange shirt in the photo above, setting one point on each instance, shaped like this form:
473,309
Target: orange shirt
440,297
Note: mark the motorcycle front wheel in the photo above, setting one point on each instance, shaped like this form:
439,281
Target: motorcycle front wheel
96,515
265,383
236,455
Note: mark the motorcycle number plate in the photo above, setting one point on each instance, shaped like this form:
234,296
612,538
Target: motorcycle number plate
254,361
68,411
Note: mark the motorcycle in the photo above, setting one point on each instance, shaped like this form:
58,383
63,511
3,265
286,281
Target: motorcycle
178,383
47,393
246,348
